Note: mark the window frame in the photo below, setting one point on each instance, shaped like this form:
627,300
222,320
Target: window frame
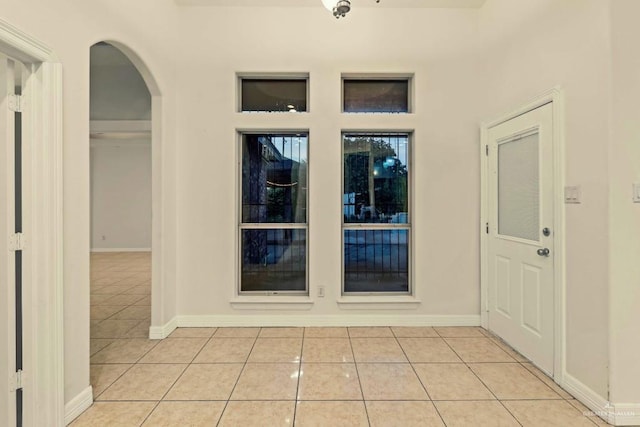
376,226
408,77
240,133
240,76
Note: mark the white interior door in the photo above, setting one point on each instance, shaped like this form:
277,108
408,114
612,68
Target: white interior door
11,304
520,241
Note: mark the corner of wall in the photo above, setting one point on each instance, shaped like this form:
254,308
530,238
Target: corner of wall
624,414
617,414
77,405
161,332
592,400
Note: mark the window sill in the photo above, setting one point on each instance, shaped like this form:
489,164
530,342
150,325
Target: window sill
272,112
381,113
276,302
378,302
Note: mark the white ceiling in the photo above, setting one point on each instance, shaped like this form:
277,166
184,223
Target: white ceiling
355,3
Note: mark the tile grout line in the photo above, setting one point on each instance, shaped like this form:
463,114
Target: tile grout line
562,398
300,373
121,338
418,376
355,364
176,380
119,311
226,404
532,373
114,381
483,383
109,345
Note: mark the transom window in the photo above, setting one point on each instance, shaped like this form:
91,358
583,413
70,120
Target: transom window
273,94
273,223
383,95
376,207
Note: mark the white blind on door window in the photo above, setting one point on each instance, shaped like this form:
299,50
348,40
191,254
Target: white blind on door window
518,188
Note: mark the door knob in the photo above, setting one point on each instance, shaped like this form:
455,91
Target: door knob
543,252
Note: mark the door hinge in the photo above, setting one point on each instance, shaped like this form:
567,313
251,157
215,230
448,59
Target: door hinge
16,381
487,227
16,242
486,150
15,103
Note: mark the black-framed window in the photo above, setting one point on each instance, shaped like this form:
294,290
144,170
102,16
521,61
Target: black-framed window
273,213
376,207
376,95
273,94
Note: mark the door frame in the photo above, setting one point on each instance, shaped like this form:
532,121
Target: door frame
556,97
43,128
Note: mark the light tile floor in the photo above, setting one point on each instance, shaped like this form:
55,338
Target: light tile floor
383,376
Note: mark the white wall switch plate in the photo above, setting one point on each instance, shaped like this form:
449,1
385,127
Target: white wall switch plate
572,194
636,192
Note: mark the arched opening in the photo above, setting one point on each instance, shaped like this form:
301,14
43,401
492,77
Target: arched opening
125,112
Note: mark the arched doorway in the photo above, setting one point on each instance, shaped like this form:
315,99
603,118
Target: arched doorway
125,206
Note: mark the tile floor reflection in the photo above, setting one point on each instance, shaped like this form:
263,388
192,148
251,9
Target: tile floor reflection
381,376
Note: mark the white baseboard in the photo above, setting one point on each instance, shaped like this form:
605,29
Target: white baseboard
617,414
120,250
78,405
592,400
326,320
161,332
239,320
625,414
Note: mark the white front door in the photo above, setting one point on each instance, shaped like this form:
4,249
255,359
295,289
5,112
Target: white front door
520,240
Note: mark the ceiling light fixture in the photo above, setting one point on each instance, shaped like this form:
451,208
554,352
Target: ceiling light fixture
339,8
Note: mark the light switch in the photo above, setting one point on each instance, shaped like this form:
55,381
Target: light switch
636,193
572,194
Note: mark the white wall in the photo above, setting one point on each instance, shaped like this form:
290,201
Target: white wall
445,145
468,67
70,28
120,194
624,230
544,44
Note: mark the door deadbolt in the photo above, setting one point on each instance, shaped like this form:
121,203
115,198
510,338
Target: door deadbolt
546,231
543,252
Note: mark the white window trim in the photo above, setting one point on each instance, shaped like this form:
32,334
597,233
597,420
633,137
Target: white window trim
258,299
240,76
373,301
409,77
282,302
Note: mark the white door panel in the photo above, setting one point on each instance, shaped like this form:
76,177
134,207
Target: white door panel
7,260
503,290
531,295
12,76
520,200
